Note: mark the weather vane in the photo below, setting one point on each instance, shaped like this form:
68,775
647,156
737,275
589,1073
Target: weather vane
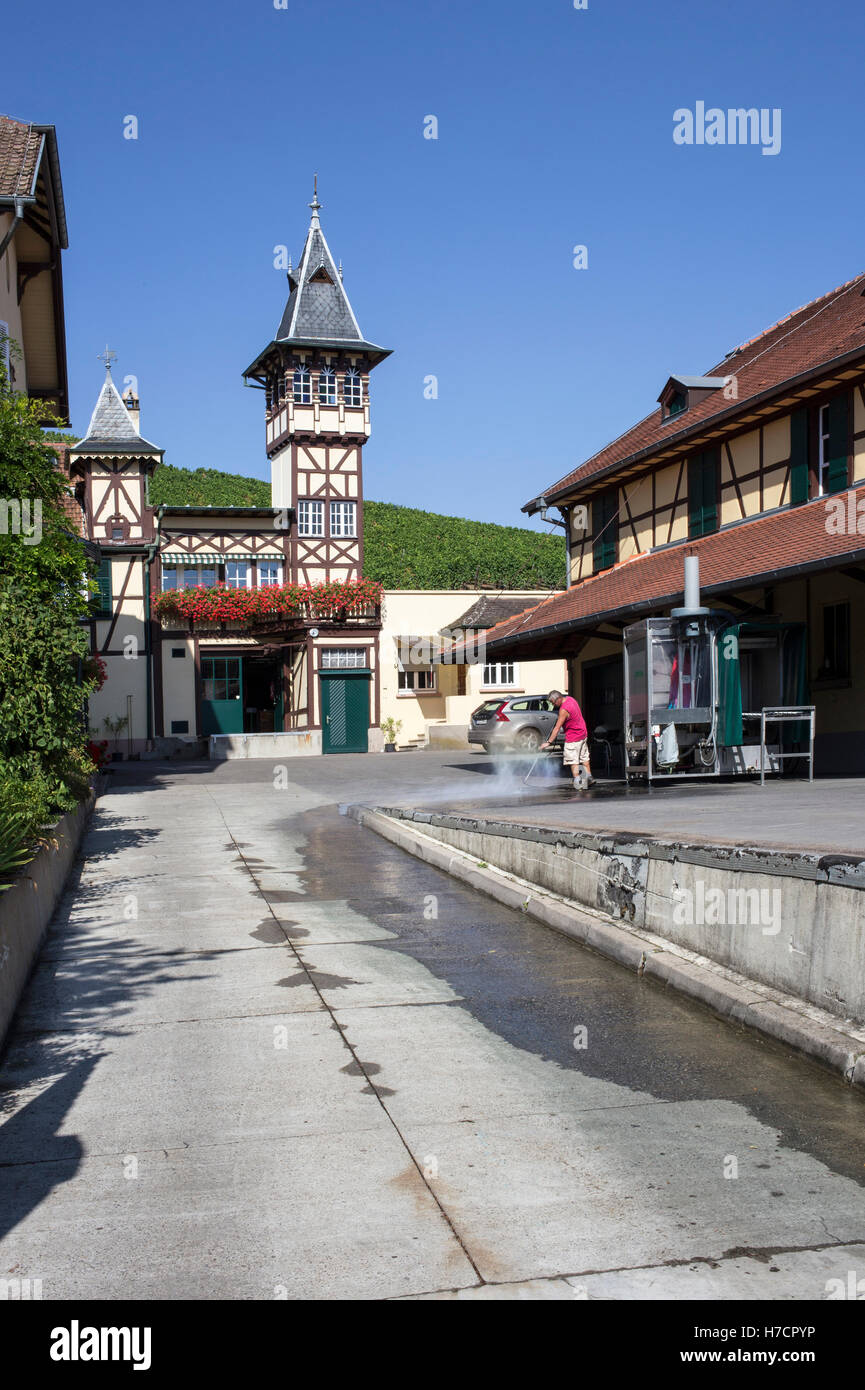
107,357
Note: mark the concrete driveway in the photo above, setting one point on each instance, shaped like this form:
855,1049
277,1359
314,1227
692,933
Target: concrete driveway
267,1055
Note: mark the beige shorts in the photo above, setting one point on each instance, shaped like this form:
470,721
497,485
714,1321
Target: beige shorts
576,753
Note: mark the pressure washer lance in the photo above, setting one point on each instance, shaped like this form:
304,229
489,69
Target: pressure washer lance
534,764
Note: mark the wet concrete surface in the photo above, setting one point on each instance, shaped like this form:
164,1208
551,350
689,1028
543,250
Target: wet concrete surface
341,1073
532,986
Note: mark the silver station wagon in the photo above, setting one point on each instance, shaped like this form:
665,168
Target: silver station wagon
520,724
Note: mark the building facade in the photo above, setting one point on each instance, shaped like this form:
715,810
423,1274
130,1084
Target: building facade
254,627
245,622
32,239
430,696
758,468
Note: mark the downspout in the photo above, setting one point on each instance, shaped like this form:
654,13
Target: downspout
18,217
148,645
566,516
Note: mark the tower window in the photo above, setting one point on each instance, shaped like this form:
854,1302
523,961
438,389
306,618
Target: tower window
310,518
342,519
302,386
327,387
353,389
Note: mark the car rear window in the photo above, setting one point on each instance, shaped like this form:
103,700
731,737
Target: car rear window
489,706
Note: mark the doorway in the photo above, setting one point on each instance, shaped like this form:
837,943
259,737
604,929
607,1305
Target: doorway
241,695
345,711
262,695
603,703
221,705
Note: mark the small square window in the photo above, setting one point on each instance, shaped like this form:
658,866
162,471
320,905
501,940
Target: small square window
178,651
180,726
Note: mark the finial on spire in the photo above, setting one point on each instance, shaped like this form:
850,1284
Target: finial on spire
107,357
340,267
315,204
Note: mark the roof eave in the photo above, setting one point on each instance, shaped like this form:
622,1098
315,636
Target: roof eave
724,417
107,447
373,350
645,606
49,135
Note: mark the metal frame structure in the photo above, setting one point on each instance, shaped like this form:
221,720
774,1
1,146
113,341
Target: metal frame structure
781,714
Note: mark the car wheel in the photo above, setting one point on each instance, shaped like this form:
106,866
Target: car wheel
529,740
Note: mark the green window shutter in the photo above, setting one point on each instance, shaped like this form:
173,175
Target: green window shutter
605,529
103,601
836,446
799,479
703,493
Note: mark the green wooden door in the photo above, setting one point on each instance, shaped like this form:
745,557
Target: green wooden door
345,711
221,695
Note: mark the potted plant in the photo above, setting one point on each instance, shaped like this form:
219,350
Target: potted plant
390,728
115,727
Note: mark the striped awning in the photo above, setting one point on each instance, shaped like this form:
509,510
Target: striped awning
418,649
176,558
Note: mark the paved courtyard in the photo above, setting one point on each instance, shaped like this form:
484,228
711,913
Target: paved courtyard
265,1054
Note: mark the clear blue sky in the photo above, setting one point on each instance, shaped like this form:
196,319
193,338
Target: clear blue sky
555,129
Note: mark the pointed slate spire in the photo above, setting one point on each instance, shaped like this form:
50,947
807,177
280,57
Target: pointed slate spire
318,307
318,313
111,428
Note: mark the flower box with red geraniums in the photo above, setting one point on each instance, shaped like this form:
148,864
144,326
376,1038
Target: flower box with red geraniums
327,600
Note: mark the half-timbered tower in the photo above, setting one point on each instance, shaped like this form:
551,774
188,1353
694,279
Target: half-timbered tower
315,378
110,467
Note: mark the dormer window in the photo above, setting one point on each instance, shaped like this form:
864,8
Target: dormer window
353,387
682,392
302,386
321,277
327,386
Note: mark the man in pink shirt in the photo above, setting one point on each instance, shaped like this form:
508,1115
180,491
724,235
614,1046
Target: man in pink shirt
576,754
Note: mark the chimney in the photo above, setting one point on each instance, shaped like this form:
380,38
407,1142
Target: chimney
130,400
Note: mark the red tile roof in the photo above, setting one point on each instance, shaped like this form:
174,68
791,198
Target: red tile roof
737,557
818,333
70,504
20,144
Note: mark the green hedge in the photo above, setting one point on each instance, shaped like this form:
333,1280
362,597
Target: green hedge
404,547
